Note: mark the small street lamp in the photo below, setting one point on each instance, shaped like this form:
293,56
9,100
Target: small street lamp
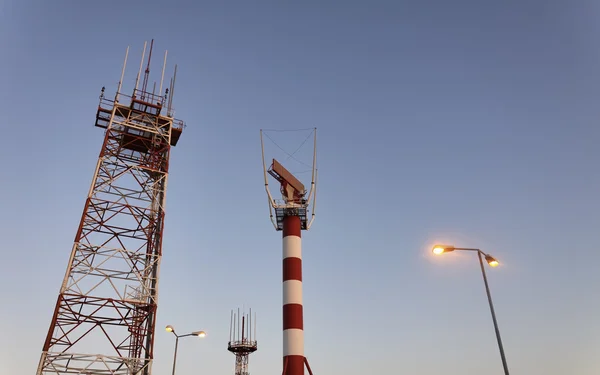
442,249
170,328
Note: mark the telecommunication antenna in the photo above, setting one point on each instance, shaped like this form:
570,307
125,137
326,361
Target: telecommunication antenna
242,340
291,217
105,314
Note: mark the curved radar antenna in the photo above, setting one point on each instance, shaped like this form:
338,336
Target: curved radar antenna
295,197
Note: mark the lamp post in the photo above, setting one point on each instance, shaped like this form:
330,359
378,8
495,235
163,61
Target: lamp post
441,249
170,328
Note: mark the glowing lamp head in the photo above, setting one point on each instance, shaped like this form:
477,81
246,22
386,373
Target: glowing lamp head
441,249
170,328
200,334
491,261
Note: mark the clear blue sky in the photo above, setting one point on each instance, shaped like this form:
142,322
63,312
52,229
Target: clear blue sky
473,123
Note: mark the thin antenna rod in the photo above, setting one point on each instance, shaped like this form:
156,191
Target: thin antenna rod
162,76
254,326
243,327
122,74
168,90
168,96
173,91
147,72
137,80
250,325
230,325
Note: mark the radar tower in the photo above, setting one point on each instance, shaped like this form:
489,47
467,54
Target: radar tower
291,217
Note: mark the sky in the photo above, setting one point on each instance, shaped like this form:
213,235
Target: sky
471,123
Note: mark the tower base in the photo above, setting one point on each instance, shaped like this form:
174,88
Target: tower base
294,365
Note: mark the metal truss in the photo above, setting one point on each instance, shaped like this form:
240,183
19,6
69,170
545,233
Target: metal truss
241,364
104,318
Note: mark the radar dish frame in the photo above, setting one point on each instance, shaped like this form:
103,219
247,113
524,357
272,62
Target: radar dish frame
285,207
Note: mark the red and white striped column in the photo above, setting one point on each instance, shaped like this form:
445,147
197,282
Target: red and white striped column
293,330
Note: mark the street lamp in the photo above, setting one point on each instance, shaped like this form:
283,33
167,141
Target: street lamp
170,328
442,249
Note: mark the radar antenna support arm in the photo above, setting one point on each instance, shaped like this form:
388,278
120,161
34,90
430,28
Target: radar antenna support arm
314,203
314,168
269,197
312,194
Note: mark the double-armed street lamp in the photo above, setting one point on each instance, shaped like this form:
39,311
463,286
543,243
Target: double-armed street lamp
170,328
442,249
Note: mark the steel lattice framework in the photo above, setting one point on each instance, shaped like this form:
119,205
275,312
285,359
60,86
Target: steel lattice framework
242,341
104,318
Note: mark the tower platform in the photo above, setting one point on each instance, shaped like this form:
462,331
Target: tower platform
242,347
144,109
282,212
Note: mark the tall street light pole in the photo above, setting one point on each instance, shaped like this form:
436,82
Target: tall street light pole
441,249
170,328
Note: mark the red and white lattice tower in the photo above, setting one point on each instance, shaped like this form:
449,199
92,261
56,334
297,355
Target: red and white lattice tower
291,217
105,315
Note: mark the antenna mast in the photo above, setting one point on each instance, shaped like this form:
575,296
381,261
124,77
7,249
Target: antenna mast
105,314
242,342
147,72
